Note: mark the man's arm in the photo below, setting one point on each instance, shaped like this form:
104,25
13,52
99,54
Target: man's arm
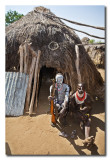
88,105
66,94
66,100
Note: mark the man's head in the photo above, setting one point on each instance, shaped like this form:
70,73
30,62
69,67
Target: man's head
80,88
59,78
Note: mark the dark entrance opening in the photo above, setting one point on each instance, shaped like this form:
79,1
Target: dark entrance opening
46,74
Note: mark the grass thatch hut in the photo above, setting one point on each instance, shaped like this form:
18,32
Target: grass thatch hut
56,41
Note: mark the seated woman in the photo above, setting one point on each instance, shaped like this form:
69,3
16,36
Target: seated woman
80,105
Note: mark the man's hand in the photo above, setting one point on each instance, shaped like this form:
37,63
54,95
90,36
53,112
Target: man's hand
62,112
83,109
51,98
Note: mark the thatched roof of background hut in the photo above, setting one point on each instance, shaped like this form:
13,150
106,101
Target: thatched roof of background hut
57,44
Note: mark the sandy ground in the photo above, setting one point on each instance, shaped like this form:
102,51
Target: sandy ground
34,135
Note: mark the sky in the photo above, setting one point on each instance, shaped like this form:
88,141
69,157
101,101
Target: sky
88,14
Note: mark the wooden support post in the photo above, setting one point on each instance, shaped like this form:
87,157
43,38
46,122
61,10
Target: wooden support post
36,101
21,58
32,51
30,83
35,81
77,63
26,57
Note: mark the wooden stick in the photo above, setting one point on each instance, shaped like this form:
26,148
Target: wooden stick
29,83
89,44
77,63
35,80
32,51
36,101
77,23
26,57
21,58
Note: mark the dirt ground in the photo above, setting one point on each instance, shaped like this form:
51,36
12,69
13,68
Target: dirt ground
34,135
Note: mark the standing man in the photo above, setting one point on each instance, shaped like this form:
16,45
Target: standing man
80,104
59,93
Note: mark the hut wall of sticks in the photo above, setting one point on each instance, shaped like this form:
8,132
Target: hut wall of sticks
41,39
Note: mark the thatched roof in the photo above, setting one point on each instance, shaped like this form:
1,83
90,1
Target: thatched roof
85,40
57,44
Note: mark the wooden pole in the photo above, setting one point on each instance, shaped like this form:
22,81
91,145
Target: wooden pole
77,63
26,57
21,58
36,101
30,82
35,81
32,51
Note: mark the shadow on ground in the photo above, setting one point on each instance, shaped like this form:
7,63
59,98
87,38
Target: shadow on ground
7,149
72,124
98,107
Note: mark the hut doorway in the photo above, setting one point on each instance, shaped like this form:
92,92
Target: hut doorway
46,74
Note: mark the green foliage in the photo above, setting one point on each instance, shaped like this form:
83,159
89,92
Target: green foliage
91,41
12,16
